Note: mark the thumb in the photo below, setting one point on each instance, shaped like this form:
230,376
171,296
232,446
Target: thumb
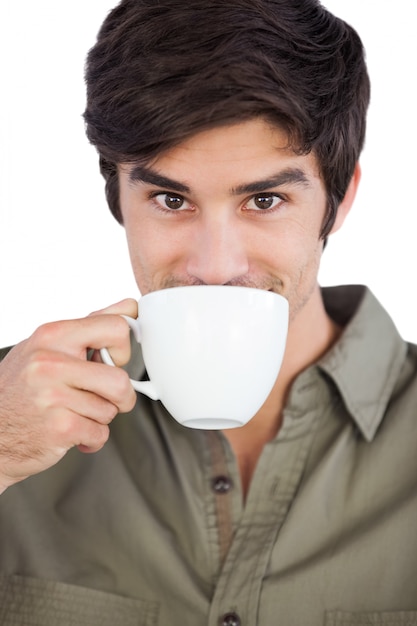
128,306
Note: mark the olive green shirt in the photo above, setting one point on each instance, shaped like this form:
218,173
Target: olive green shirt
152,529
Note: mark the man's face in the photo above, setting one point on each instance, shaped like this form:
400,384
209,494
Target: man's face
232,205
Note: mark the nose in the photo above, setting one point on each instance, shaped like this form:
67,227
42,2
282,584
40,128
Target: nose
219,253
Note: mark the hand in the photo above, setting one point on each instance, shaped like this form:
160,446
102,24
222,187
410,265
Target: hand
52,398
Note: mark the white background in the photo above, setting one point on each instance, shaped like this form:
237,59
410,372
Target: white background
61,252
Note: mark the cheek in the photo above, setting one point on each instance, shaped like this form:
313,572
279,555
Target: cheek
153,253
140,247
291,245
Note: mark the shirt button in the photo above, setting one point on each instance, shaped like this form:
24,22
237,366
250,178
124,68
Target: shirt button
230,619
221,484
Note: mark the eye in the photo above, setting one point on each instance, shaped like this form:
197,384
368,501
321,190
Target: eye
264,202
170,201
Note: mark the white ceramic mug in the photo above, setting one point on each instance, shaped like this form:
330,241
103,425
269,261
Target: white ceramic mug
212,353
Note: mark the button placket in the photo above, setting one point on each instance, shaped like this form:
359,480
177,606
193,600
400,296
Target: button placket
273,488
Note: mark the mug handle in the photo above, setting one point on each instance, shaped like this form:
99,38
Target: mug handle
144,386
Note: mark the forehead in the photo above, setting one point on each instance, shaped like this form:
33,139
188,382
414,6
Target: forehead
255,136
233,154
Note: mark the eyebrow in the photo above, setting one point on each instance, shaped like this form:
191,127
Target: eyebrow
290,175
141,174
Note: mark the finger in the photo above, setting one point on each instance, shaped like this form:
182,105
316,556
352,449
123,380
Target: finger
71,429
108,384
85,449
85,404
56,376
74,337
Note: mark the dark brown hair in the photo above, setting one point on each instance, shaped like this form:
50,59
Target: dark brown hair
162,70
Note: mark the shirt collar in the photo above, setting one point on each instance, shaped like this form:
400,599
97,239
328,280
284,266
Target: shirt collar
366,361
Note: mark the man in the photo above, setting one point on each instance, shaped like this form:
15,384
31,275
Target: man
229,136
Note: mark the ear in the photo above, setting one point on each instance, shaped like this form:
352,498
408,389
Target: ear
344,206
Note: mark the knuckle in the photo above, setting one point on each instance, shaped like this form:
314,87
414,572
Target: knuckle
102,436
47,334
121,383
66,427
119,340
109,412
43,363
72,430
124,396
95,439
120,328
130,401
50,398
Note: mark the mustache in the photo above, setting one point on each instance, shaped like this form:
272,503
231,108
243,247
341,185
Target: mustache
267,283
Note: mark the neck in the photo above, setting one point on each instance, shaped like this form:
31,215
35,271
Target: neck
311,333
